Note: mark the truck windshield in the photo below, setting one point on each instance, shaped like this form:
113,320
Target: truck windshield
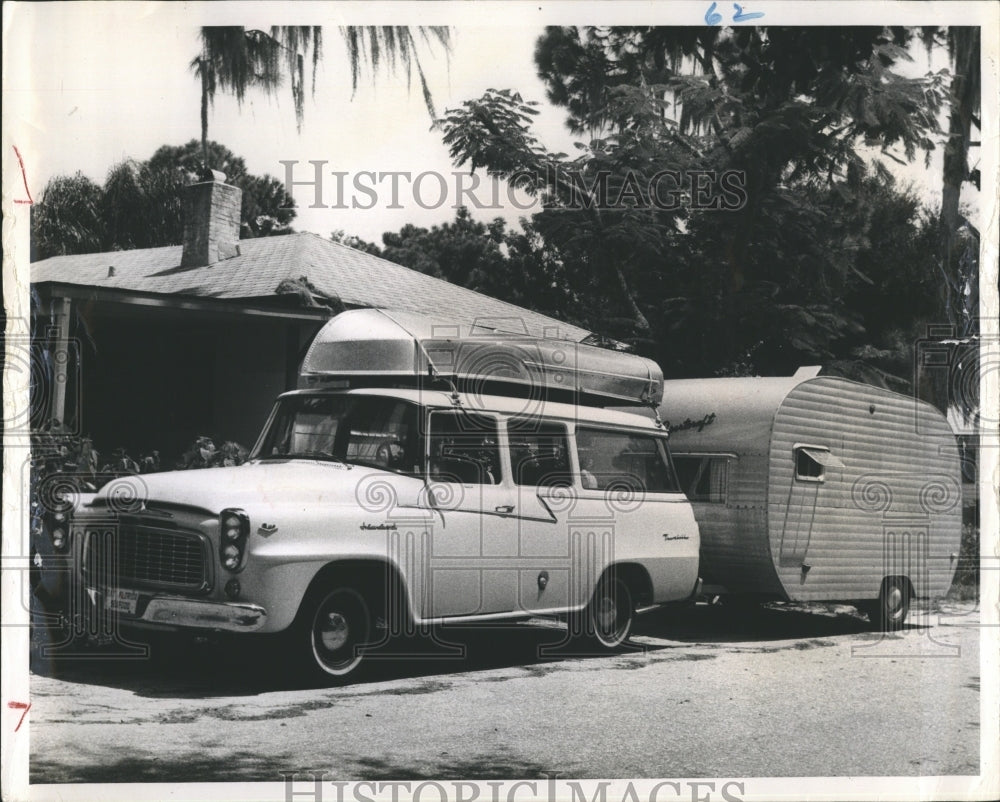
364,430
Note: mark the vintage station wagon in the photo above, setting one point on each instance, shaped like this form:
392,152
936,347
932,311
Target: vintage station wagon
414,479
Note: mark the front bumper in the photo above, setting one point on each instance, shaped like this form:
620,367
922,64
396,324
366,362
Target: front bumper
176,611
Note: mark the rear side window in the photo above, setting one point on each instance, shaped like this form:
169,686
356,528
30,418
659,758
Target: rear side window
464,448
539,453
611,459
703,478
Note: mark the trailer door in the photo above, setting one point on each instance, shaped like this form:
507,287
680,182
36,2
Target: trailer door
811,463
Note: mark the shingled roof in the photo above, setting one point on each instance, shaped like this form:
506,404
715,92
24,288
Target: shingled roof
359,279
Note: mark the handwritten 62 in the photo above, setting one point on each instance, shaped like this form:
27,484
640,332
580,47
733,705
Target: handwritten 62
712,17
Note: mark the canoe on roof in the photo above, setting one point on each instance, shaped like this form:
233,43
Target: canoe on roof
377,346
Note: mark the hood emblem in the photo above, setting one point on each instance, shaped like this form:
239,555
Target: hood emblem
267,529
157,511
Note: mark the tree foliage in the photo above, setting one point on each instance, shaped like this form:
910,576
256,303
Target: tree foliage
140,204
236,60
514,265
267,208
67,218
808,268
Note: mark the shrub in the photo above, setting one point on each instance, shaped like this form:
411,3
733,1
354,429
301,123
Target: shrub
965,584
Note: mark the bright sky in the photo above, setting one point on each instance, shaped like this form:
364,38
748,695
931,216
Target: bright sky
113,84
86,85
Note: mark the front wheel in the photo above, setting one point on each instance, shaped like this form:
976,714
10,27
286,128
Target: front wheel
889,612
607,621
338,625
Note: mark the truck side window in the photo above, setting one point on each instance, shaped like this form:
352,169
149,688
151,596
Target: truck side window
464,448
623,459
702,477
377,431
539,453
311,427
381,432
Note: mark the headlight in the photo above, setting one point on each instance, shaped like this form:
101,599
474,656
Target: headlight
53,516
234,531
231,557
58,538
58,526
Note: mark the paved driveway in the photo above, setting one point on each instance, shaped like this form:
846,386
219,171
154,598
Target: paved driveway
785,692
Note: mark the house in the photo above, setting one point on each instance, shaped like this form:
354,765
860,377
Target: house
151,348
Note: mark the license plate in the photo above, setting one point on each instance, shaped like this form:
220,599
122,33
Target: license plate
120,600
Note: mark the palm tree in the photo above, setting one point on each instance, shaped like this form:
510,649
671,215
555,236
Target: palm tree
234,59
958,238
963,44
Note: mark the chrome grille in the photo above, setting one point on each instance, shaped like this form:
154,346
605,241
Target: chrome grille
138,555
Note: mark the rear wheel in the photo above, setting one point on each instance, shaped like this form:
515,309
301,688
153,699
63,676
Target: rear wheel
889,612
336,628
607,621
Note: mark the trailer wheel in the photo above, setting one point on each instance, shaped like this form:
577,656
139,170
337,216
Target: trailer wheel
331,634
889,612
607,621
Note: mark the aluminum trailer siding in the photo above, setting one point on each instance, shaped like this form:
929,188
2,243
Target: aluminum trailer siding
817,488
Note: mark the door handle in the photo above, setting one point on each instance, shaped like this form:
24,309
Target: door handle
505,509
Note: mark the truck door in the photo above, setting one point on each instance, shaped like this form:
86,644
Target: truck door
543,477
470,572
623,507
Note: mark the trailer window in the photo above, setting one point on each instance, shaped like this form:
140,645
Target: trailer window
811,463
539,453
703,478
610,459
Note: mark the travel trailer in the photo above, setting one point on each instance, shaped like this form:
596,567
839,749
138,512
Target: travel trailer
812,488
422,474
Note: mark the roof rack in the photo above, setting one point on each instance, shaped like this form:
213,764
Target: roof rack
378,348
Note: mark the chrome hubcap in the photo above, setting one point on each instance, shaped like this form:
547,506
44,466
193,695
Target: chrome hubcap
607,615
894,602
334,631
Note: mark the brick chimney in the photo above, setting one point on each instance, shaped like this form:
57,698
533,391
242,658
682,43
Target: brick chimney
211,221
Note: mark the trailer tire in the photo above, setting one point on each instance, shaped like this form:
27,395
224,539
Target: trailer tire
889,612
606,622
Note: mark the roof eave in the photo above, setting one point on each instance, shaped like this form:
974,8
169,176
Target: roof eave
240,307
